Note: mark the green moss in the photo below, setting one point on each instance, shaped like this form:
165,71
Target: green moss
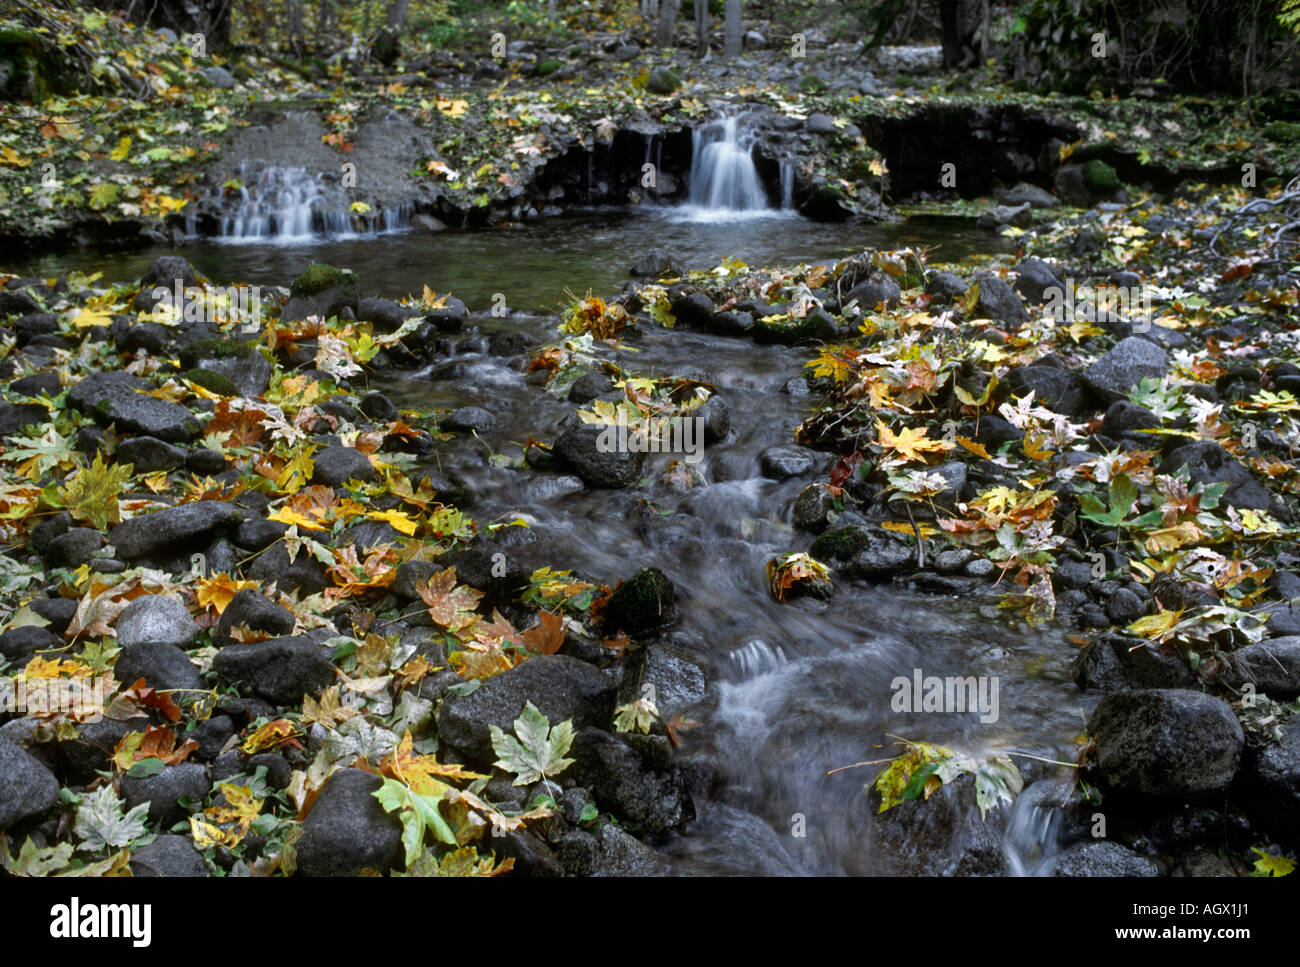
838,544
1283,132
317,278
1100,177
214,349
812,84
547,67
641,604
663,82
214,382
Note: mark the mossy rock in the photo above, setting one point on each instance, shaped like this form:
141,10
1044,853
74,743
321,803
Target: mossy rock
1101,177
213,382
812,84
30,74
318,277
839,545
1283,132
642,604
547,67
663,82
214,349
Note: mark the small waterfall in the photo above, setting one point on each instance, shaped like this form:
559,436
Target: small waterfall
286,204
1032,838
723,176
787,184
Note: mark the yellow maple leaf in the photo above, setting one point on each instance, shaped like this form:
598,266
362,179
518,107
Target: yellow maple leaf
433,301
287,515
122,150
1155,626
911,443
220,589
397,519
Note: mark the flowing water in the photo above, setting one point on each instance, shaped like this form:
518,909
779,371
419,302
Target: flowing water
799,689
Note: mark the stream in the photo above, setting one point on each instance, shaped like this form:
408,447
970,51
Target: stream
801,688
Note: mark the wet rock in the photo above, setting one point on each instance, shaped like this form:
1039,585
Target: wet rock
254,611
1123,418
168,270
303,574
577,850
14,418
146,337
878,288
1116,373
1208,463
279,670
37,384
172,528
1111,663
112,398
156,619
239,362
1166,743
510,342
386,315
321,290
652,264
1272,666
692,309
716,415
73,548
258,533
1277,774
411,575
633,777
470,419
450,317
57,611
1018,215
945,286
782,463
640,605
1070,186
1057,389
19,303
532,856
19,644
212,734
206,463
580,449
347,830
869,552
562,688
953,560
1284,619
168,856
163,792
1102,859
491,567
673,675
162,666
27,787
1124,607
1027,194
149,455
731,323
992,431
812,508
622,854
941,836
1034,278
335,466
998,301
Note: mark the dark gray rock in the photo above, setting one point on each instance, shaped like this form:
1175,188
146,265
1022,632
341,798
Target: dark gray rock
580,448
386,315
411,575
304,573
450,318
1021,216
1123,418
1115,374
19,644
622,854
1027,194
945,286
1124,607
1057,389
57,611
470,419
14,418
633,777
149,455
998,301
279,670
168,856
335,466
1207,463
869,552
1111,663
642,604
1272,666
589,386
812,508
940,836
878,288
1034,278
162,666
562,688
27,787
74,548
652,264
117,398
347,830
156,619
1277,773
1166,743
172,528
782,463
258,533
1102,859
716,415
167,270
163,792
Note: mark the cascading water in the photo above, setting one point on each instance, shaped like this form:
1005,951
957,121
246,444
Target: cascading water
287,204
723,176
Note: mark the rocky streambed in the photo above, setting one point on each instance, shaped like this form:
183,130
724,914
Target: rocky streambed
331,552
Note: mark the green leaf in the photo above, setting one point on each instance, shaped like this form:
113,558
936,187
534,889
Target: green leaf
101,823
33,861
538,752
91,495
417,813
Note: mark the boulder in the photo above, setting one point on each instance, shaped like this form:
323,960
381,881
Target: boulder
1115,374
347,830
121,400
172,528
156,619
27,787
580,448
279,670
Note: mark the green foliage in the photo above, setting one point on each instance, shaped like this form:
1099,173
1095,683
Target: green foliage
101,824
418,813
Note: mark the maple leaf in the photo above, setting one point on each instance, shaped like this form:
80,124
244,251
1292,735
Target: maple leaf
329,711
219,590
271,735
398,520
1269,865
536,750
140,696
911,443
462,862
243,426
101,822
159,742
638,716
418,813
241,808
482,659
414,671
287,515
423,773
450,607
546,636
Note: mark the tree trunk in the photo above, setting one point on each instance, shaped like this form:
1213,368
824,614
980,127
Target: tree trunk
397,14
701,27
949,19
668,10
734,30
